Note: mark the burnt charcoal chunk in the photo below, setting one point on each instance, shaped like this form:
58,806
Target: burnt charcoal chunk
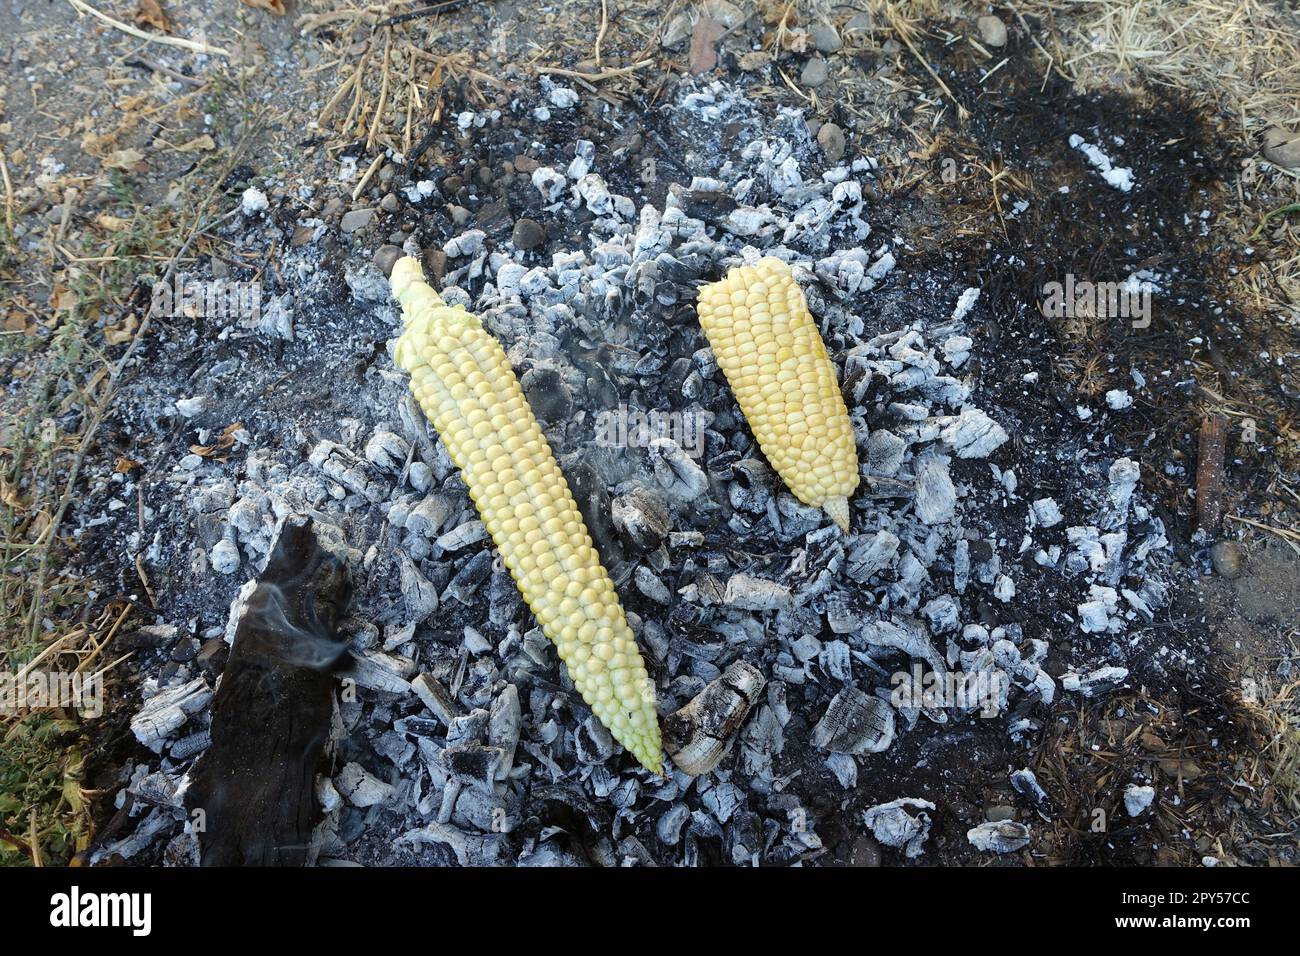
270,717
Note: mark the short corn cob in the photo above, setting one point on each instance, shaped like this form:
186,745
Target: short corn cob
462,379
765,341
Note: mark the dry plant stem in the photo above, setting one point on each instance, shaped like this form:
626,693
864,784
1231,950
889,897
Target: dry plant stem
126,28
608,74
604,25
1209,474
383,92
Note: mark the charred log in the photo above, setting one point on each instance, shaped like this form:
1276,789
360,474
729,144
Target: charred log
271,715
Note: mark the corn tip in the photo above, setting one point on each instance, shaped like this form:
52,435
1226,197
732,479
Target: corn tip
838,509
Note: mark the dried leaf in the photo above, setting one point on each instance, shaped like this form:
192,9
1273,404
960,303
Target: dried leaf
227,440
111,223
121,334
775,11
273,6
202,143
125,465
704,44
796,41
17,322
150,12
124,159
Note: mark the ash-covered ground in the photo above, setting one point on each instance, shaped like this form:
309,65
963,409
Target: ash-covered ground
995,533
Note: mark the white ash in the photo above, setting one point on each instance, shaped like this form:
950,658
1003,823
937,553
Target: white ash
459,692
1095,683
1119,399
1004,836
1120,177
902,824
168,709
1138,799
253,201
965,302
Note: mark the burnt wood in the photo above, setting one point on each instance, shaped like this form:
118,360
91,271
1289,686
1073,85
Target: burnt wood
271,714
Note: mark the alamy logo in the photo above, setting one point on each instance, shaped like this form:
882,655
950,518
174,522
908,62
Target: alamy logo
1103,300
985,691
633,428
23,693
76,909
208,298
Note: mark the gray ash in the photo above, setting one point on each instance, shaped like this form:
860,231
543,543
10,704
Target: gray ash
986,539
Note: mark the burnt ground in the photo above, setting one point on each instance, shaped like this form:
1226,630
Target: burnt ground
1179,721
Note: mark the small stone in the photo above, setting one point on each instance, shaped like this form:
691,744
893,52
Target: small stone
993,32
356,219
1227,559
459,214
677,31
385,257
725,12
390,203
1282,146
814,72
860,23
528,234
825,37
831,139
1000,813
525,164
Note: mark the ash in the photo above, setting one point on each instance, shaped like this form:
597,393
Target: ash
986,551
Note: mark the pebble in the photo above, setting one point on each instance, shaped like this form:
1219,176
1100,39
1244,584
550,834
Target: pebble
390,203
993,32
826,38
435,263
1227,559
677,31
528,234
385,257
860,23
831,139
459,214
814,72
1282,146
356,219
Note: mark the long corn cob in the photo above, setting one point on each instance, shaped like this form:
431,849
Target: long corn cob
765,341
462,379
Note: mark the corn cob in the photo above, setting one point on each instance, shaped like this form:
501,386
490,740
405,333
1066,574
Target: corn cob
766,343
462,379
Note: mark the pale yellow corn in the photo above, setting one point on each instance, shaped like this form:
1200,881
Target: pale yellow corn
462,379
765,341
